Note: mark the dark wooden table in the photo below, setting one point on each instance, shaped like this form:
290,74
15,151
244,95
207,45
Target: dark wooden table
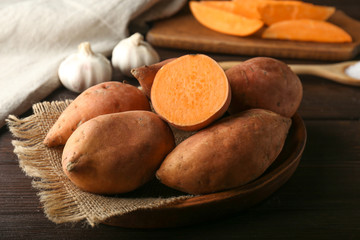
320,201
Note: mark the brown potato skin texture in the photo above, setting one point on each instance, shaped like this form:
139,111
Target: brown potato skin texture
117,153
103,98
146,74
266,83
228,154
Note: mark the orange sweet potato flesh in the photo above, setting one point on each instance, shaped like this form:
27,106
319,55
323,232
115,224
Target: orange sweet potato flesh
223,21
227,154
276,11
118,152
103,98
146,74
190,92
248,8
228,6
307,30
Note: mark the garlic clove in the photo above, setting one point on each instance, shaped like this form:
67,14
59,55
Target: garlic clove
133,52
84,69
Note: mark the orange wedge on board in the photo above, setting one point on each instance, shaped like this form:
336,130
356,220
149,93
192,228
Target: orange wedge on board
307,30
223,21
276,11
248,8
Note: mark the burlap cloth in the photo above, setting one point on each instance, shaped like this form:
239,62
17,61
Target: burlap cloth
62,201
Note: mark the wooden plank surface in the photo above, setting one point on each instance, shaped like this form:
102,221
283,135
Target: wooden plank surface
323,192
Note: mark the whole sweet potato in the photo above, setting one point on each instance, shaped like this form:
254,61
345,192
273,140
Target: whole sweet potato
103,98
118,152
228,154
266,83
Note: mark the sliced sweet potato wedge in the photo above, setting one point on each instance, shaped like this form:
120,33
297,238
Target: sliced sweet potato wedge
275,11
248,8
228,6
224,21
307,30
245,8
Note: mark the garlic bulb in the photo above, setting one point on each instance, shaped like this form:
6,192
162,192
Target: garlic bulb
84,69
133,52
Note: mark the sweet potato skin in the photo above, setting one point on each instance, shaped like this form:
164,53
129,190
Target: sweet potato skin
267,83
228,154
146,74
116,153
103,98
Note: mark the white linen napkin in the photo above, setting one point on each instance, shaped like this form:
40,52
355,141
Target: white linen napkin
36,35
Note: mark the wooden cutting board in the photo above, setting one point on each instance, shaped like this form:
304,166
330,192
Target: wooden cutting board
184,32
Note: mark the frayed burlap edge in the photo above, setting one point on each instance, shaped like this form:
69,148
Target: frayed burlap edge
62,201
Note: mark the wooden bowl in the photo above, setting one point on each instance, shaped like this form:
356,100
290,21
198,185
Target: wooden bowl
211,206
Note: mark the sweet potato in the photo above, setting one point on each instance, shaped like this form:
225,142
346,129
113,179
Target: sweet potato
248,8
267,83
223,21
146,74
191,92
118,152
228,6
228,154
276,11
307,30
104,98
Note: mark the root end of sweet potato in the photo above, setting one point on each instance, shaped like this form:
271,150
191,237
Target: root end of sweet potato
51,140
146,74
70,166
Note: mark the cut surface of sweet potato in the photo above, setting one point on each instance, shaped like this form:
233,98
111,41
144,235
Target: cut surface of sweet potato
276,11
223,21
190,92
248,8
224,5
307,30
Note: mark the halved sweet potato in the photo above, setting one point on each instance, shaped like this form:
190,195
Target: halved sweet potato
307,30
190,92
276,11
223,21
